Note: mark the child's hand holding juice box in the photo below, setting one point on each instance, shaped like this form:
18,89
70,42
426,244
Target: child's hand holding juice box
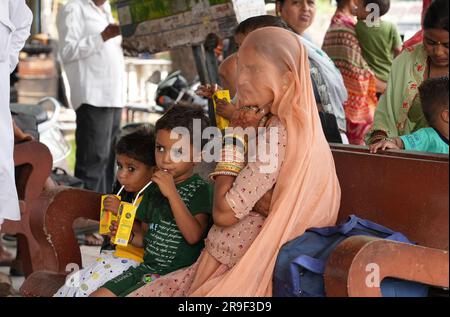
108,212
122,228
127,213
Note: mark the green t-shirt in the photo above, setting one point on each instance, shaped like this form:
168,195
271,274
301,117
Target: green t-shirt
377,45
426,140
165,249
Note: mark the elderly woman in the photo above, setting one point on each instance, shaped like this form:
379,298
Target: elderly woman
342,46
399,110
241,248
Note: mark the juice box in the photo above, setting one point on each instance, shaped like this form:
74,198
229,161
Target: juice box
106,217
127,213
222,123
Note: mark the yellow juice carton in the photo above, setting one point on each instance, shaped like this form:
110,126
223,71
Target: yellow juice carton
127,213
222,123
106,217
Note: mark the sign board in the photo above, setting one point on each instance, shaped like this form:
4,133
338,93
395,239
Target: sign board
159,25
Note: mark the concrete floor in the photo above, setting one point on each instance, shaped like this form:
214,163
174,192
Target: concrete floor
88,255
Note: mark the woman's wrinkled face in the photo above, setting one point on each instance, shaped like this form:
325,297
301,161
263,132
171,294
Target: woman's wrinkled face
254,79
436,46
298,14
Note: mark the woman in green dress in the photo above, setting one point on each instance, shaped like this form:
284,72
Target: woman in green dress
399,110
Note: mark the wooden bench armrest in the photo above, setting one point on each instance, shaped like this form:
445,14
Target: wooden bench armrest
351,267
42,284
38,162
52,217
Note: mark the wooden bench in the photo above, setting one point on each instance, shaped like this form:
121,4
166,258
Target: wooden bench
407,192
33,163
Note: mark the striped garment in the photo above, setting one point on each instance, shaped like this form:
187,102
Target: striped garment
342,46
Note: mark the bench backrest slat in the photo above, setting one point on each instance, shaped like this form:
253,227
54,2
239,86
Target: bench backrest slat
408,193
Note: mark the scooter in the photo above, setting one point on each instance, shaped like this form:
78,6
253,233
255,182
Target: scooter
46,113
175,88
50,132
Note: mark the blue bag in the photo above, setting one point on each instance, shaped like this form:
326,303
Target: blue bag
301,262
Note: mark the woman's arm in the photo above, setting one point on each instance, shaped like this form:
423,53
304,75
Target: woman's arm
223,214
234,197
394,98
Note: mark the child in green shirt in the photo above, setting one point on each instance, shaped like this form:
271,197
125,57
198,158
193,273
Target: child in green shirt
176,207
434,95
379,40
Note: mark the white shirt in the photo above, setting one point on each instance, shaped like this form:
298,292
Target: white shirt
94,68
15,22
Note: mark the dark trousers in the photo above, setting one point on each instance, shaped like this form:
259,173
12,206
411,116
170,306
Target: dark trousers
330,127
96,135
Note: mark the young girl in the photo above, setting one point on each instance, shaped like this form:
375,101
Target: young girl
136,161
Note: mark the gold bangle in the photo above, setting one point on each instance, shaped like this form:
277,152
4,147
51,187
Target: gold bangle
213,175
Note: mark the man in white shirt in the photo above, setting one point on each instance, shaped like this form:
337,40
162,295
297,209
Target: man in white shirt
91,52
15,22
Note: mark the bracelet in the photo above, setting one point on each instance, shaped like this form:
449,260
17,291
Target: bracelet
213,175
377,136
231,164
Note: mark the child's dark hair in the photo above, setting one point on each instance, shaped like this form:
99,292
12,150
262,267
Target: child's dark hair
258,22
436,16
384,5
182,116
340,3
139,145
434,97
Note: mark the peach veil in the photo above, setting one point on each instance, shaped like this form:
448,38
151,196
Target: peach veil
307,192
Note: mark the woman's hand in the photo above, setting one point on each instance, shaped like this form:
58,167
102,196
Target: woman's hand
386,144
112,204
165,182
263,205
207,91
247,117
224,108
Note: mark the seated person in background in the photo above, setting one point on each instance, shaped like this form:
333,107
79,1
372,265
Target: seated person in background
434,95
329,89
176,208
379,40
135,161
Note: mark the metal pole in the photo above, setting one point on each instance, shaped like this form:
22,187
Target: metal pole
202,73
199,64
